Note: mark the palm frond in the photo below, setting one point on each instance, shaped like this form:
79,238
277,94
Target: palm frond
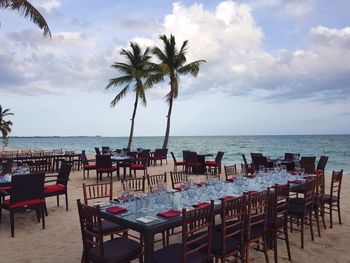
119,81
191,68
120,95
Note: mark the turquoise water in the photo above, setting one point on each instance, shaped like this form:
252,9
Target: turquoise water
337,147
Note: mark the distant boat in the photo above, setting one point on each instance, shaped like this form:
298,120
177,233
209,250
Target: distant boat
98,136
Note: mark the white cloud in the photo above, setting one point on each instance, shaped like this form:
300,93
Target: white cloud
50,5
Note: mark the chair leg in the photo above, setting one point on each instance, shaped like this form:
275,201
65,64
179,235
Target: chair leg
58,200
275,245
265,250
12,220
287,241
317,217
83,174
339,216
45,208
311,227
331,215
42,216
302,232
66,194
323,217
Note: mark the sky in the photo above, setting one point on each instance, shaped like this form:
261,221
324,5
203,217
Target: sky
272,67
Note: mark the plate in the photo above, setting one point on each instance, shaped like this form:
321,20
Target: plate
146,219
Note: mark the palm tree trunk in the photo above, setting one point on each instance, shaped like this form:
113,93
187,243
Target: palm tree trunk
167,131
133,122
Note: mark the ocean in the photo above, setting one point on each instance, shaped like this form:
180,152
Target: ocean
337,147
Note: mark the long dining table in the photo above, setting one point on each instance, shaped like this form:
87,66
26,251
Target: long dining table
141,214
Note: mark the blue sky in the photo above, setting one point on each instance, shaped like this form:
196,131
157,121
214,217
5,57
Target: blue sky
273,67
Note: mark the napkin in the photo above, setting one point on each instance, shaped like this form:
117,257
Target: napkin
296,182
169,214
230,180
309,177
250,176
293,172
181,188
200,204
116,209
201,184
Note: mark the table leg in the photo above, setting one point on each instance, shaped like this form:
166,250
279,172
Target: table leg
149,247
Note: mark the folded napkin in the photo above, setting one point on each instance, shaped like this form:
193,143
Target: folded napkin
293,172
200,204
318,171
231,180
2,174
116,209
250,176
309,177
296,182
169,214
201,184
181,188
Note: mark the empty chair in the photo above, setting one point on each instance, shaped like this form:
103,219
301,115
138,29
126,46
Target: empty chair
248,168
331,201
142,165
156,180
27,192
105,150
216,163
321,165
308,163
289,156
177,163
230,172
177,179
258,161
104,165
134,184
86,165
120,249
196,238
191,163
60,184
255,155
97,150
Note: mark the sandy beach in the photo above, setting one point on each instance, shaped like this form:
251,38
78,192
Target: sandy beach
61,240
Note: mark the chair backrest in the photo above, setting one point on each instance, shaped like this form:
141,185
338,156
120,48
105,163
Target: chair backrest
321,165
103,161
219,156
84,159
280,202
97,191
27,187
232,219
337,177
144,155
309,194
256,210
134,184
158,152
289,156
132,154
156,179
230,172
105,149
63,173
259,160
197,221
307,161
255,155
164,153
184,155
192,157
177,178
91,228
244,160
97,150
172,155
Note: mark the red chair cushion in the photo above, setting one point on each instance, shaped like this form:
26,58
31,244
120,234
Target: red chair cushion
211,163
5,188
193,164
54,188
137,166
7,203
180,163
89,167
106,169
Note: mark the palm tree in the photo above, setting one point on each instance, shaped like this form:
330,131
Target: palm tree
136,70
5,126
172,64
27,10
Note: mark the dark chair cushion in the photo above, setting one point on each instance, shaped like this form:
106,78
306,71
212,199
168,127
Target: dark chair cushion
110,227
232,243
328,199
116,250
275,223
256,231
172,254
297,210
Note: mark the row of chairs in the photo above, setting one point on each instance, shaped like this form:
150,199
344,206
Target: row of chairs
30,191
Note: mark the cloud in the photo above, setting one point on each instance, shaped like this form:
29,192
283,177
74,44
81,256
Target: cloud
50,5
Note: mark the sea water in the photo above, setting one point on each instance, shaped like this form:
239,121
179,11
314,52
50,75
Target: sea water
337,147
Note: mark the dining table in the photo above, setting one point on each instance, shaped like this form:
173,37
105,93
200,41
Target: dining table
145,213
118,159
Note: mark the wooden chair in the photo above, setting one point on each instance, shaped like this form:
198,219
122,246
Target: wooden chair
308,163
228,237
142,166
104,165
321,165
331,201
177,163
196,238
103,191
257,161
191,163
178,178
230,172
216,163
120,249
134,184
318,209
86,165
154,180
159,155
127,164
300,209
60,186
27,192
256,218
97,151
247,168
277,222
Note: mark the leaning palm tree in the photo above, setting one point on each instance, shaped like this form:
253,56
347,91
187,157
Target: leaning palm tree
135,70
27,10
172,64
5,126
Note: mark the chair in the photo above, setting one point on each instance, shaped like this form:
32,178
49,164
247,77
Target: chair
248,168
86,165
331,201
99,192
308,163
134,184
277,222
178,178
97,150
177,163
159,155
105,150
191,162
120,249
256,219
300,209
142,166
196,238
257,161
60,186
104,165
322,162
289,156
154,180
217,162
27,192
230,172
227,239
